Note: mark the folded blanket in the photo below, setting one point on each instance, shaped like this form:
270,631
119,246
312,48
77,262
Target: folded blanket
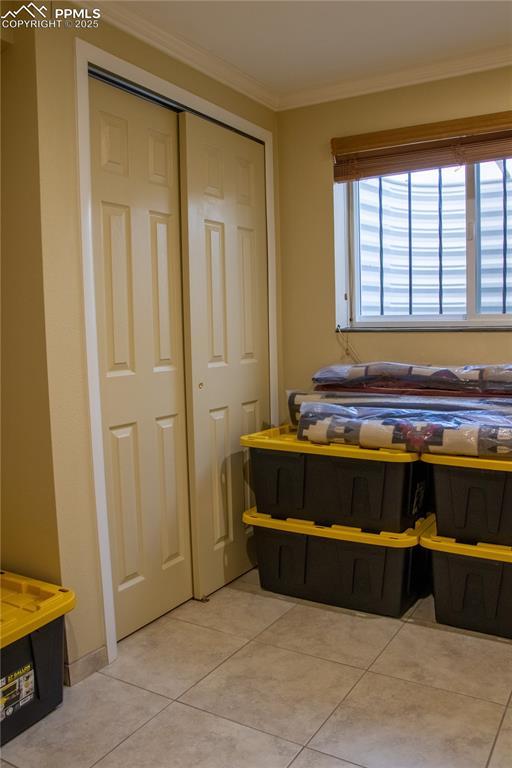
500,405
470,378
463,432
391,388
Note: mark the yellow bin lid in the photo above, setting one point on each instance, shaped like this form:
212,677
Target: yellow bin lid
29,604
469,462
285,439
408,538
430,540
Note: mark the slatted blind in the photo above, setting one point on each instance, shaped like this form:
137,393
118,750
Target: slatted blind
433,145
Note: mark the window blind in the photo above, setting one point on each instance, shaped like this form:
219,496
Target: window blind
420,147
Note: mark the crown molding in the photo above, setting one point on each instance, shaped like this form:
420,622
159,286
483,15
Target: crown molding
443,70
178,48
228,74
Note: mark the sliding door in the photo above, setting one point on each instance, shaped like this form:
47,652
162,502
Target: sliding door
136,231
225,260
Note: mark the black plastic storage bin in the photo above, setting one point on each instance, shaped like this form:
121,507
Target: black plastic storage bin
378,573
472,584
473,498
377,490
32,651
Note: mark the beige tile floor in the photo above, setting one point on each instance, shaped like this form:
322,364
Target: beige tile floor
255,680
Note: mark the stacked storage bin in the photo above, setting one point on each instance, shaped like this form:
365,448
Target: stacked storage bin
471,543
32,650
338,524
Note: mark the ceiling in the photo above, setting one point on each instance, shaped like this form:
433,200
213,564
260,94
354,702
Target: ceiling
288,53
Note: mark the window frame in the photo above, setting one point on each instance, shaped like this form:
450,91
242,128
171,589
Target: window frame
347,272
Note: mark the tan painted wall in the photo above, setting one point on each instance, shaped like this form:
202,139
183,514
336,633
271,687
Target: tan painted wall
29,524
306,217
306,291
60,233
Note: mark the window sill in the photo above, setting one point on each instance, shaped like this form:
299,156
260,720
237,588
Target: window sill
424,328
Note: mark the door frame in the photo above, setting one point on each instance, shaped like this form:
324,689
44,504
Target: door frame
87,54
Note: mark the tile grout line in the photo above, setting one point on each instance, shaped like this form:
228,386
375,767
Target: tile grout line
256,637
229,634
403,624
266,733
233,634
303,746
211,671
203,626
426,624
406,620
401,627
323,754
365,672
349,762
169,701
148,690
438,688
340,702
134,685
301,602
132,734
427,685
299,753
292,607
172,701
495,740
311,655
256,589
242,725
452,630
179,700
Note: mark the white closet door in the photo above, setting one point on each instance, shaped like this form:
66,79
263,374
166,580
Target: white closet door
136,230
225,258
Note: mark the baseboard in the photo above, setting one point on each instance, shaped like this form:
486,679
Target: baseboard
82,668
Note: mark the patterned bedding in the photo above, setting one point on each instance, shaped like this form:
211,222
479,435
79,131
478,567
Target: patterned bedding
464,411
484,433
500,405
469,378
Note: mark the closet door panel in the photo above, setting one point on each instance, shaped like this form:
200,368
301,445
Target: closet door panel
225,259
137,264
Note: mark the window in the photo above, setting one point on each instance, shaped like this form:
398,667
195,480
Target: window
425,247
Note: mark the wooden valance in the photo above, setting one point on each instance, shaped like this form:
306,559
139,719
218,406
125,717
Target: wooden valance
418,147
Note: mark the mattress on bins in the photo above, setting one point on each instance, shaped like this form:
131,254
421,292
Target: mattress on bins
473,498
332,484
472,584
381,573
